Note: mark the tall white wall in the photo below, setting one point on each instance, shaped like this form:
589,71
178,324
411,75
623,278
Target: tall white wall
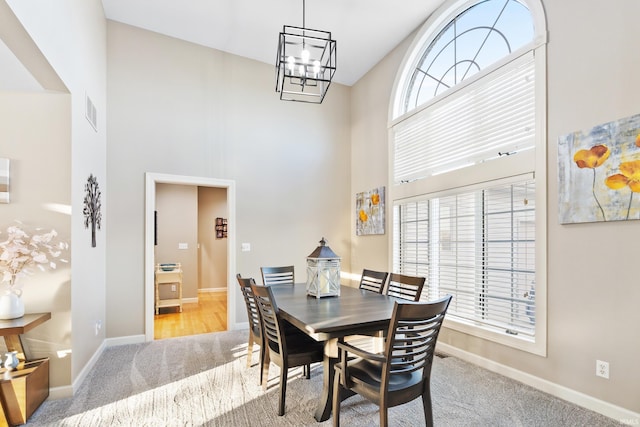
71,34
182,109
593,288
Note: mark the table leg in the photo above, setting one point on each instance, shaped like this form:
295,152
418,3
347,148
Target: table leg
323,412
14,343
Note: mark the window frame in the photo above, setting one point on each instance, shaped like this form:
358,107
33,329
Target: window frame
482,174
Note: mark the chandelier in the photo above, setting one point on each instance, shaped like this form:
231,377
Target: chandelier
305,64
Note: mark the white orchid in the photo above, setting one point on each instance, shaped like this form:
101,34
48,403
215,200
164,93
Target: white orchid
20,251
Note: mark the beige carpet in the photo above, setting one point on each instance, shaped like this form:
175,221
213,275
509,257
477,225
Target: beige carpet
203,381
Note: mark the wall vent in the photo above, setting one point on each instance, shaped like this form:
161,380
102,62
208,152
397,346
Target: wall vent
91,113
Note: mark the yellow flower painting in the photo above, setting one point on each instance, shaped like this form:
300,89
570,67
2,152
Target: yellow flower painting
599,172
370,212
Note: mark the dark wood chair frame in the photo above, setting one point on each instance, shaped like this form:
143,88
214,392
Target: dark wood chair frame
373,281
405,287
285,345
278,275
403,372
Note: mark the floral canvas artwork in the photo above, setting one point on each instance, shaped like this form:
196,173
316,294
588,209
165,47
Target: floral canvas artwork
370,212
599,173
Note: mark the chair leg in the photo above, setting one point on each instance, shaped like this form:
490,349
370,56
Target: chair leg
426,404
250,349
283,389
307,371
384,419
262,356
336,399
264,375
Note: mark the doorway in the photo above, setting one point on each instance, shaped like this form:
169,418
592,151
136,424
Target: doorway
150,203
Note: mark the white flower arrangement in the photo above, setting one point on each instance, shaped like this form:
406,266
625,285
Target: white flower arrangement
20,251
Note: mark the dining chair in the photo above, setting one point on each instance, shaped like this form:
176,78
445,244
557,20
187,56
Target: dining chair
286,347
373,281
405,287
277,275
402,372
255,325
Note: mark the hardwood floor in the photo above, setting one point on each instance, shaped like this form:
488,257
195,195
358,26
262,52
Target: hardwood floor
209,314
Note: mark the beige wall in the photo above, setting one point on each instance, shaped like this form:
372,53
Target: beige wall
177,208
212,252
593,288
182,109
40,197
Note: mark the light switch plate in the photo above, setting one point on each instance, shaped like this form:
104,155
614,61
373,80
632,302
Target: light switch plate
245,247
183,246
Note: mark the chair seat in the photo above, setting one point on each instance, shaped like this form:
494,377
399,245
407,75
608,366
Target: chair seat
298,343
369,373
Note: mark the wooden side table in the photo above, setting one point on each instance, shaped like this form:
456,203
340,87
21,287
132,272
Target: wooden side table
24,389
165,276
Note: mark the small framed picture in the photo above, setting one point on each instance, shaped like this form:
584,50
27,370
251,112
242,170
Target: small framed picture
4,180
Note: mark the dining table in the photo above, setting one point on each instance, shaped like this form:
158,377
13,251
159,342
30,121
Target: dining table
353,312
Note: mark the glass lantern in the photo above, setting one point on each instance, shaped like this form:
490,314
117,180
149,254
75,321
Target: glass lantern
323,272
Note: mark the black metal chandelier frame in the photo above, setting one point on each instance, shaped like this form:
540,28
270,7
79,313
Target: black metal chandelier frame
305,64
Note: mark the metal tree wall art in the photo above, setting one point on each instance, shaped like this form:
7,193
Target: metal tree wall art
92,204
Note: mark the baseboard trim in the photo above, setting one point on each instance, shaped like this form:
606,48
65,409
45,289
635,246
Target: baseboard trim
188,300
60,392
131,339
84,372
212,289
607,409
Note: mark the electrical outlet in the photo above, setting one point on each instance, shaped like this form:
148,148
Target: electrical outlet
602,369
173,288
98,326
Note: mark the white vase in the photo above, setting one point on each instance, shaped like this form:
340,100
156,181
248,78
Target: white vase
11,305
11,361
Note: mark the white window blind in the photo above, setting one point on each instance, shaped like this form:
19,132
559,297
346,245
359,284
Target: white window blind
492,115
478,246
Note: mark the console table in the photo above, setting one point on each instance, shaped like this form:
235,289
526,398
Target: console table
25,388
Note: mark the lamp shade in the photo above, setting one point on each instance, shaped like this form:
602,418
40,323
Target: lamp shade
323,272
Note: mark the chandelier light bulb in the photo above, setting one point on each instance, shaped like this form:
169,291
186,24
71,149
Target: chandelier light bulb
316,67
291,63
302,70
305,56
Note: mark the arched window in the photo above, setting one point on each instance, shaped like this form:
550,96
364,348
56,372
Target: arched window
472,41
468,133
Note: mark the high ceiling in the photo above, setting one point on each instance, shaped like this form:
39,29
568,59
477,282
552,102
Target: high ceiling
365,30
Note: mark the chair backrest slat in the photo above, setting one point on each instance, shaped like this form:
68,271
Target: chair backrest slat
412,336
405,287
270,321
252,309
373,281
278,275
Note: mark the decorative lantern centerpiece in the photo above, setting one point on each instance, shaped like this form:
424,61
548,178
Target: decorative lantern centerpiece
323,272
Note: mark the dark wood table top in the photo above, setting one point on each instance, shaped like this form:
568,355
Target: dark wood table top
354,312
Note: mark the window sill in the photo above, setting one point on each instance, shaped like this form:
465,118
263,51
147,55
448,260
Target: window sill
528,344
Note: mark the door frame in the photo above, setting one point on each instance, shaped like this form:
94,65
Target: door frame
151,179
